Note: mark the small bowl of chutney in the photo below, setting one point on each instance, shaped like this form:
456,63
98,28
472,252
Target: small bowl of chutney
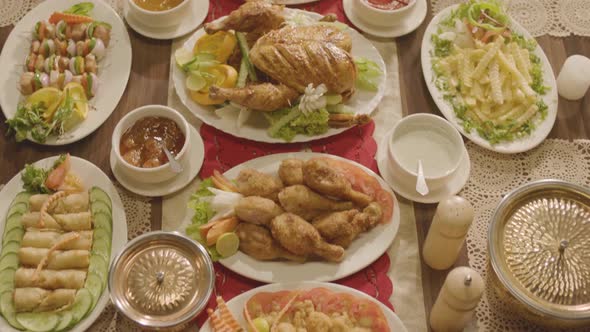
139,140
158,13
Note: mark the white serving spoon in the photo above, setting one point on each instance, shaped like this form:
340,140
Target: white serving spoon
175,166
421,186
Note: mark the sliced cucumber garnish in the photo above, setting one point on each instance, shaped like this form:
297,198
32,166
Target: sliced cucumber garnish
98,266
9,261
102,249
12,222
7,308
65,320
100,207
18,208
15,234
22,197
95,285
10,247
97,194
103,221
38,321
81,304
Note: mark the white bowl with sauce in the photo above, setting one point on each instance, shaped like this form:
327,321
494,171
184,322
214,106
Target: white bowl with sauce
429,138
158,13
151,174
381,14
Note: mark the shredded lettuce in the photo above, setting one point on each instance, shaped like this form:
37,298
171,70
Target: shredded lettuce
34,177
203,213
442,47
286,123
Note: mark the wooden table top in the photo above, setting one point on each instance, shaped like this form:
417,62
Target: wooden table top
148,84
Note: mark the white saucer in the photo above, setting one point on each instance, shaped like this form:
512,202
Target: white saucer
405,26
195,161
191,21
406,186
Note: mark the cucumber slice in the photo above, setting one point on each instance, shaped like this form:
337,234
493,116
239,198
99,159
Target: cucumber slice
102,249
97,194
22,197
103,221
7,308
18,208
7,280
9,261
98,266
10,247
38,321
13,222
81,304
101,234
65,320
16,235
95,286
100,207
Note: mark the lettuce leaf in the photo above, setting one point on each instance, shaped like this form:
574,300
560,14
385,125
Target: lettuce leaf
203,212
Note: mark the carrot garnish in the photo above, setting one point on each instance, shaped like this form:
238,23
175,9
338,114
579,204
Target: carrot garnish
69,18
222,183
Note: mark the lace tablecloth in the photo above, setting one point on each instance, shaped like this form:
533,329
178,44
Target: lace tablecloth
493,176
558,18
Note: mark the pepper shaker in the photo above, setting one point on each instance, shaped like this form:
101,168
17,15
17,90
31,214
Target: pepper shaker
447,232
454,306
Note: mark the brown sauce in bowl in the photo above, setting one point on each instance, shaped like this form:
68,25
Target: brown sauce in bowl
157,5
141,145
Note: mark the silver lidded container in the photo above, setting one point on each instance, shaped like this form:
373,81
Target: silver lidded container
161,280
539,247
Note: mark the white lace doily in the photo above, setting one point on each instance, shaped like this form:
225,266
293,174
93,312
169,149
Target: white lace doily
138,211
558,18
494,175
11,11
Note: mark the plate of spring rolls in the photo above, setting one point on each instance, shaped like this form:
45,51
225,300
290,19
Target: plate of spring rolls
66,65
61,222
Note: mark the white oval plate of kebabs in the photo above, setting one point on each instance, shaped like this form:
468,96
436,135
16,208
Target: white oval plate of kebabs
317,304
54,272
346,222
47,50
339,59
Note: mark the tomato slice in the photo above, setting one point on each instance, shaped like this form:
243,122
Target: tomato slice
221,44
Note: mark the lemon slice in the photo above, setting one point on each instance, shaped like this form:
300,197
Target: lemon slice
227,244
50,97
260,324
182,56
76,91
78,94
195,81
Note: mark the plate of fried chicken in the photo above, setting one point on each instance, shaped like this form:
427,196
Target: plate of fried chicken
293,51
308,216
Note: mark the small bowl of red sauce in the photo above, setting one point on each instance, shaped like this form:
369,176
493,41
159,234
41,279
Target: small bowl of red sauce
383,12
139,140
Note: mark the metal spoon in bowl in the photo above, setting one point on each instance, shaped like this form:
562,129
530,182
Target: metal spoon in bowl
421,186
175,166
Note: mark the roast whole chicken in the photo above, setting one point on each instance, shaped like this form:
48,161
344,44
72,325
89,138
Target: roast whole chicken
293,57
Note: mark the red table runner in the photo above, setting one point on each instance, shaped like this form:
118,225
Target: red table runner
224,151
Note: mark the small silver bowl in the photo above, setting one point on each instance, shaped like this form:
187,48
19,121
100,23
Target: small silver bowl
161,280
539,242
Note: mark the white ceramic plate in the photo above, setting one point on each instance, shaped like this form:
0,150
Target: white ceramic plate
405,25
519,145
195,161
91,176
237,304
363,102
198,12
363,251
113,69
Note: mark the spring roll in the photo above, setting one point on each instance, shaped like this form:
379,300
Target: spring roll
38,299
31,220
74,221
77,202
50,279
58,260
47,239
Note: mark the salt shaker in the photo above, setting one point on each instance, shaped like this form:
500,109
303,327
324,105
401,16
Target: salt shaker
447,232
454,306
574,78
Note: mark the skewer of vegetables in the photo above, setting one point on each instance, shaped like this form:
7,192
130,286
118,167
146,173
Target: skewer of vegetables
77,65
31,82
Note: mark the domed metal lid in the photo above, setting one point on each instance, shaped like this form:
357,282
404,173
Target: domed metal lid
539,244
161,279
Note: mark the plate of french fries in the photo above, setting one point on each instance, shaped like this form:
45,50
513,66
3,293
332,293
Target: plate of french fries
489,77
